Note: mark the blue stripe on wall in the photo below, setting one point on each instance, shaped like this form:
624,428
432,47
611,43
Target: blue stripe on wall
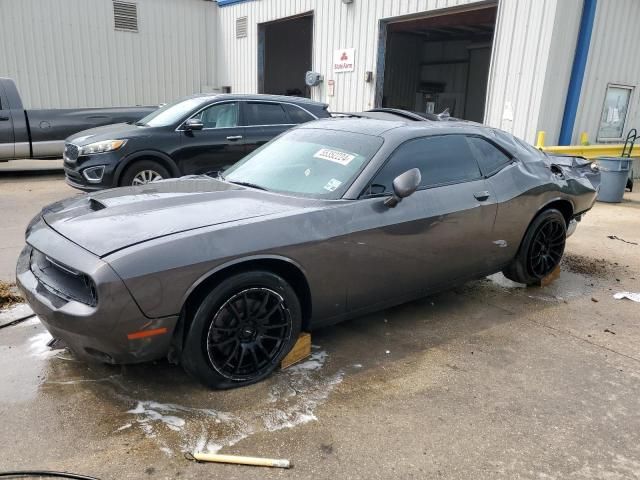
577,71
224,3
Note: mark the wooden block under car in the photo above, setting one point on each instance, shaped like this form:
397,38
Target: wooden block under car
553,276
300,351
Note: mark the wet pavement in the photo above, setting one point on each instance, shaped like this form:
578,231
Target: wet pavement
487,380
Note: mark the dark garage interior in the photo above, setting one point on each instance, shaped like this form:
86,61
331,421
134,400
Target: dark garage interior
439,62
286,47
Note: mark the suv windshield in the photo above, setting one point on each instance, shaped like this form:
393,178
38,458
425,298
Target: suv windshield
309,162
171,112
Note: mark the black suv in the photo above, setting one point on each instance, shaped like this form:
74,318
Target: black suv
195,135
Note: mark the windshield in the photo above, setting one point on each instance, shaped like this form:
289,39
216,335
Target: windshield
309,162
171,113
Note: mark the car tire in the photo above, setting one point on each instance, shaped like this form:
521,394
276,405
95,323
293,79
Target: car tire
143,169
541,249
242,330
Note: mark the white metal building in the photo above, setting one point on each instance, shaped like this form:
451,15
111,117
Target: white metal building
562,66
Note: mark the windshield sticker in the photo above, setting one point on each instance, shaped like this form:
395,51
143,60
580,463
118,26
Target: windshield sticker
334,156
332,185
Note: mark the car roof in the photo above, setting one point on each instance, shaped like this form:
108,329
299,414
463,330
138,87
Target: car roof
257,96
379,127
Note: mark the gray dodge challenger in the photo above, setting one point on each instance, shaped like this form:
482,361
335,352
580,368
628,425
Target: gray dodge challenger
330,220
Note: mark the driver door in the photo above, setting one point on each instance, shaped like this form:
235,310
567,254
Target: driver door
218,145
436,236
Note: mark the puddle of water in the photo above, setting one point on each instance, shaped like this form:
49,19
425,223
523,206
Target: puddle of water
291,401
24,356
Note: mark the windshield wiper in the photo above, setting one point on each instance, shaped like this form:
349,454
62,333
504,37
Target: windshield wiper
140,124
247,184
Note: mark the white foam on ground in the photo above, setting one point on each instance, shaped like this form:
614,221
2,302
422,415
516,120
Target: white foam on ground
149,412
292,400
38,346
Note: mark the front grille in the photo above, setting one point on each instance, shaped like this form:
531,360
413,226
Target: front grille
63,281
71,152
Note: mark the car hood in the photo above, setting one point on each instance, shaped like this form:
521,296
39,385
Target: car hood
111,220
108,132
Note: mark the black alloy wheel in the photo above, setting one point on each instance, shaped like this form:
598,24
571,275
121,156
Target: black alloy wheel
242,330
247,333
541,248
547,247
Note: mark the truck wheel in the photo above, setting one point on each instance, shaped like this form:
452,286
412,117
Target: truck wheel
143,172
242,330
541,249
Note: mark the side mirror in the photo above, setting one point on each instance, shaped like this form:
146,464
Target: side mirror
193,124
403,186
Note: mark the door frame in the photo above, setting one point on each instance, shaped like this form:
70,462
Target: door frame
262,42
383,26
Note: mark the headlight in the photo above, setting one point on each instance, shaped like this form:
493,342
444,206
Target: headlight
102,147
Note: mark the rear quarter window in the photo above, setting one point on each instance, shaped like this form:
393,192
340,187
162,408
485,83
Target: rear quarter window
297,114
490,157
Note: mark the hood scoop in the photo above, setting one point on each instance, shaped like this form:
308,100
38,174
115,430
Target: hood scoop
96,205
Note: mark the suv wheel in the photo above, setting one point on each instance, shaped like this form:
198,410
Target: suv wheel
143,172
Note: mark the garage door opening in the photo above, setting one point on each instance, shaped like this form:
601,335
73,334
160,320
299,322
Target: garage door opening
284,56
439,62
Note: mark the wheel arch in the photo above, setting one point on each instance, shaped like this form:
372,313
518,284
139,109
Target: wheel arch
289,270
160,157
563,205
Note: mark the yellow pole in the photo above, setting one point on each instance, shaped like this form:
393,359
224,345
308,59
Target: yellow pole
584,138
238,460
540,139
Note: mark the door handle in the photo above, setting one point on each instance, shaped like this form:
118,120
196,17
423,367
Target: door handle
482,196
4,119
233,138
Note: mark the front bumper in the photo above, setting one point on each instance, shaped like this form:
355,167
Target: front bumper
73,170
99,332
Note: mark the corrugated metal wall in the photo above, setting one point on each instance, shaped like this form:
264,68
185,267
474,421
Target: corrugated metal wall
560,61
519,60
336,26
66,53
613,58
519,66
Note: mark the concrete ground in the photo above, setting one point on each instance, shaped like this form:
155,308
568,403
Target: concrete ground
25,187
487,380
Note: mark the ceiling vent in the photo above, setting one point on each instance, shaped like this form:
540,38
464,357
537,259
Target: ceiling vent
125,15
241,27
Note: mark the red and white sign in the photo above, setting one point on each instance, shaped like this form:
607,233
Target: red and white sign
344,60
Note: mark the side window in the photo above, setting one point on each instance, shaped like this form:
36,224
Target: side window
220,115
265,114
441,159
490,158
297,115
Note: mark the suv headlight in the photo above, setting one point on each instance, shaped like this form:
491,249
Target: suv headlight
102,147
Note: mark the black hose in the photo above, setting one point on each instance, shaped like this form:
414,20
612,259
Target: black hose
17,321
42,473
